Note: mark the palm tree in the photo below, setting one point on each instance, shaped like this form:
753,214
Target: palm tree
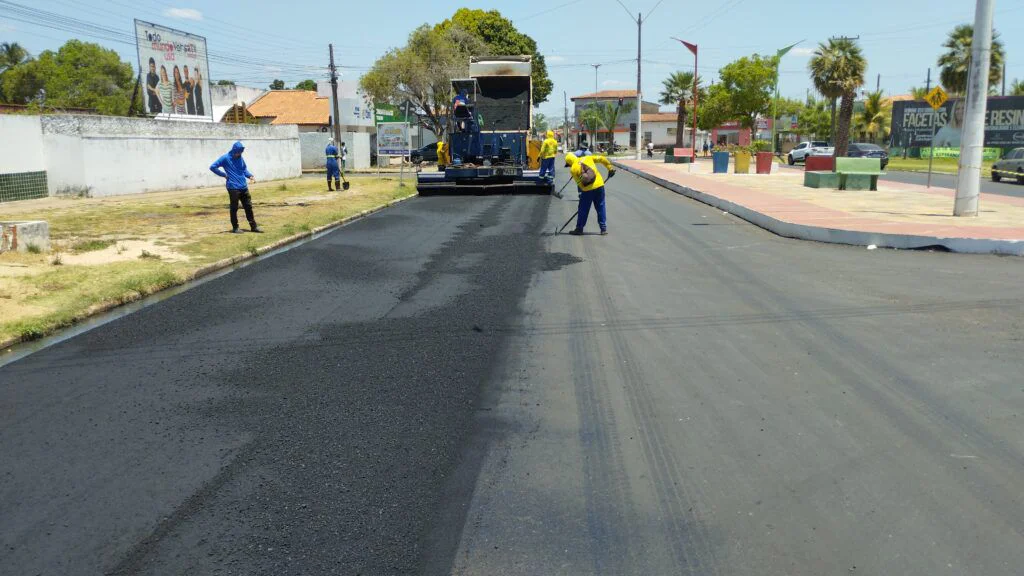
678,90
837,70
956,60
1017,88
12,54
590,120
918,92
874,118
608,117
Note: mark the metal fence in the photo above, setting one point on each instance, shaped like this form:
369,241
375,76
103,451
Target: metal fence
22,186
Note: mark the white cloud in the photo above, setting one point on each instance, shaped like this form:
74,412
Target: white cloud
554,58
183,13
802,51
614,83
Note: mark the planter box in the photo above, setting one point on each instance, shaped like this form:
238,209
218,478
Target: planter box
821,180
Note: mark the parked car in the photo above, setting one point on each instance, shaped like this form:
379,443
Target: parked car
865,150
1009,166
426,153
821,151
802,150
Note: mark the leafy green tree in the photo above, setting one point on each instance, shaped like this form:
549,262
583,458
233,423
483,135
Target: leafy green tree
277,84
79,75
12,54
306,85
749,83
873,121
421,72
918,92
837,70
677,90
540,123
500,37
714,109
954,62
815,120
225,82
1017,88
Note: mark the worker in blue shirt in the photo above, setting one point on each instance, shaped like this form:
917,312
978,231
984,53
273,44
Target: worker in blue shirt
237,177
333,170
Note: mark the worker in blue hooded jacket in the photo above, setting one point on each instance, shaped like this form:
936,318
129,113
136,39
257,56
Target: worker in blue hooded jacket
237,178
333,169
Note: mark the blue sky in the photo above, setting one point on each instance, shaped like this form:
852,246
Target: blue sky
265,39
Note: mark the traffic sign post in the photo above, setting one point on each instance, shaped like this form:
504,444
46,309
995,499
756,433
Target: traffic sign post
936,98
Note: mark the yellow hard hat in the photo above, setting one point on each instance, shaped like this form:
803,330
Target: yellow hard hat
570,159
551,134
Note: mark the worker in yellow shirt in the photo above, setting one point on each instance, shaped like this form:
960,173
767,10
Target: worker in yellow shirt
442,155
591,187
548,151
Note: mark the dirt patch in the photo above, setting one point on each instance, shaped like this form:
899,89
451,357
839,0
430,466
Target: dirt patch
123,251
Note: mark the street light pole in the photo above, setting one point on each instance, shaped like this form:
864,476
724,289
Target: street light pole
596,66
968,180
696,96
775,102
640,19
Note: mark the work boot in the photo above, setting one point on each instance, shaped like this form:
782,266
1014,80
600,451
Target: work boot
604,232
329,188
577,232
337,184
257,229
236,231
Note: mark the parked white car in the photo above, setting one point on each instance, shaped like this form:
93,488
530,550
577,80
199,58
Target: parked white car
805,149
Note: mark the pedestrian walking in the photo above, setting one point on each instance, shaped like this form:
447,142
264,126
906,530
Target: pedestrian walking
333,171
650,149
591,188
232,168
548,151
707,148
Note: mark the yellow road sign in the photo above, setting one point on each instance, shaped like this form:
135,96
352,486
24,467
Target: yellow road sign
937,97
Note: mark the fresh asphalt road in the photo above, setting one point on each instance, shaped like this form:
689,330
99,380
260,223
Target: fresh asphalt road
446,387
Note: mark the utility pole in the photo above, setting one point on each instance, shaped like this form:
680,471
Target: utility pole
968,179
1003,92
596,66
565,120
639,94
878,83
334,97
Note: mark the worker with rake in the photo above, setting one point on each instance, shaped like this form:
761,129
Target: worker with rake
591,188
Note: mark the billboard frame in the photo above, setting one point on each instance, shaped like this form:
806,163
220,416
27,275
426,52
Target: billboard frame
206,62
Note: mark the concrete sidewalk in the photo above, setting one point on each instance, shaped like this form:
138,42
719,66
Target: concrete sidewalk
896,216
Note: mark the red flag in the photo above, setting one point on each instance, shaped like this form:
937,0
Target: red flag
691,47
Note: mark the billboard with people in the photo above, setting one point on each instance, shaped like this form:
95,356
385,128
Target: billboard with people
914,121
174,68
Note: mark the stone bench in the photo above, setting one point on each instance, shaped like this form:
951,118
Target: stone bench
859,173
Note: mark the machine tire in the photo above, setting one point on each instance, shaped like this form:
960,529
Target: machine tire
995,175
790,160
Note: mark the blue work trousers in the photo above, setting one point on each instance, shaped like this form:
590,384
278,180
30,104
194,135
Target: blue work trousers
547,168
595,197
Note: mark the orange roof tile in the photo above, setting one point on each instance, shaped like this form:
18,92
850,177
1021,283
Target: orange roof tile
660,117
292,107
607,94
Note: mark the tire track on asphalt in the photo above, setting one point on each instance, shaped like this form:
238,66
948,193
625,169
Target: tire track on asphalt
689,540
604,471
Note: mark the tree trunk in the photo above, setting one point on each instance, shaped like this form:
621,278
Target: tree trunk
680,124
833,133
843,131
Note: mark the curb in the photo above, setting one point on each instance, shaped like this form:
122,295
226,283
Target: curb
208,269
837,236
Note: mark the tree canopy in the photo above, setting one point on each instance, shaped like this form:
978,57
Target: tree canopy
78,75
676,91
1017,88
306,85
837,69
225,82
747,85
421,72
277,84
955,60
500,37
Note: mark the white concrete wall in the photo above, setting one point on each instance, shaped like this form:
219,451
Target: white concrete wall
21,144
314,143
113,155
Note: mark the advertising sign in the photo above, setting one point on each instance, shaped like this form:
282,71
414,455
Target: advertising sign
175,72
912,123
393,139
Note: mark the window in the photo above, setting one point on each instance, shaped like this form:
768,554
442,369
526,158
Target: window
671,130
